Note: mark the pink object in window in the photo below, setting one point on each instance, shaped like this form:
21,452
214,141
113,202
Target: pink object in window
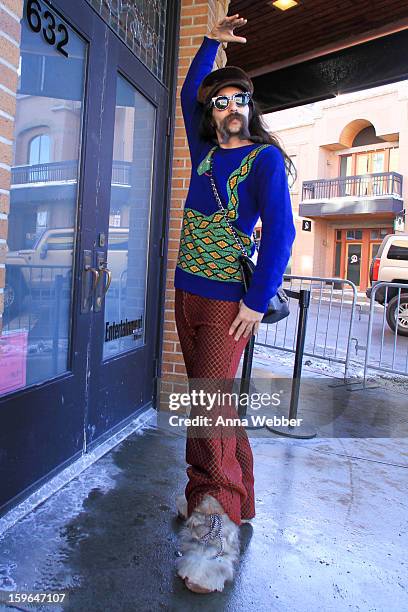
13,360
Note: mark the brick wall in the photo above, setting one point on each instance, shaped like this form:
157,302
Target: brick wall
197,19
10,15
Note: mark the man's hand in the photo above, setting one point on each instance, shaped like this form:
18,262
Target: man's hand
246,322
224,30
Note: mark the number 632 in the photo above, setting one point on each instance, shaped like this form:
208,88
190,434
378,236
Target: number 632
45,23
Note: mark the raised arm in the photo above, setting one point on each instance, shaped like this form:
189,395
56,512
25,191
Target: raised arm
202,65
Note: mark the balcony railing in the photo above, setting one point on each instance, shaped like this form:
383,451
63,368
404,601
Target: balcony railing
62,172
360,186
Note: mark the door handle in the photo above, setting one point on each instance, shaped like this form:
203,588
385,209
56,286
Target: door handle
100,290
95,275
108,273
88,282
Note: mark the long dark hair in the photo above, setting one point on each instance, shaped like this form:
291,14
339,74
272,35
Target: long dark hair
257,133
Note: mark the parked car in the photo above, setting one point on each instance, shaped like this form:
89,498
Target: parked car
391,265
33,271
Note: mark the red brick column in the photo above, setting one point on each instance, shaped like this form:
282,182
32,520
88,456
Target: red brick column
197,19
10,15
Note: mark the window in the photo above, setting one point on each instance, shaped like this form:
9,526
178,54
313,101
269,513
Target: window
345,165
118,242
141,24
345,185
378,161
39,150
378,234
366,136
337,260
42,221
394,159
398,251
60,242
354,234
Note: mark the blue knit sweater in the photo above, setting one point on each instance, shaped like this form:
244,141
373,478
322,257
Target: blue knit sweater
252,182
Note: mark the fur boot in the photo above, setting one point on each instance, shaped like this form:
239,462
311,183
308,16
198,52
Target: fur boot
181,505
210,546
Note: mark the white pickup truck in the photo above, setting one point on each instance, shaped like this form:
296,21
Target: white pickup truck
391,265
31,271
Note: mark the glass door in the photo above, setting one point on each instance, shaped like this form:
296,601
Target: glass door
84,244
43,342
353,262
129,220
45,176
128,252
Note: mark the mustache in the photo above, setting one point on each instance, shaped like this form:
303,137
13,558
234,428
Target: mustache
243,133
233,116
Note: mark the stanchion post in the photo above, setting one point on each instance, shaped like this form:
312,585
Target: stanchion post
298,431
304,302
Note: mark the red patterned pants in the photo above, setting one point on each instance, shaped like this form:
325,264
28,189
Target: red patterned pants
219,457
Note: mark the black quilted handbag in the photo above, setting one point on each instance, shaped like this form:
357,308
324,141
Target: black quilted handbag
278,306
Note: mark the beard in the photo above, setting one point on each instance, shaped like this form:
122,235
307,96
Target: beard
226,131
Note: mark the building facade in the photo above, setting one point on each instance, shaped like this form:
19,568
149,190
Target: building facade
94,172
350,153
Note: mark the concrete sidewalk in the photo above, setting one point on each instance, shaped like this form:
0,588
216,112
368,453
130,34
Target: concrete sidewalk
330,532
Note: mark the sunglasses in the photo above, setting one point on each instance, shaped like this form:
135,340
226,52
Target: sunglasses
222,102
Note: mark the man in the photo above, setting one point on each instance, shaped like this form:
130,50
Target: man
214,316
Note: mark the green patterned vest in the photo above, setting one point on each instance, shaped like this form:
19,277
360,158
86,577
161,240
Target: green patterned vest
207,245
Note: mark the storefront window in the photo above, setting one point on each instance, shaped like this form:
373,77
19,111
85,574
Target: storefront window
141,25
35,337
130,204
